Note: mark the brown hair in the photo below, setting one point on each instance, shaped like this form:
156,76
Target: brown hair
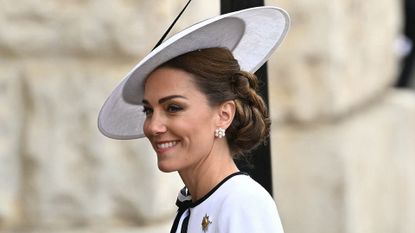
218,75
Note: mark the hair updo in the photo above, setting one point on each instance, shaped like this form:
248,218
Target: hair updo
217,74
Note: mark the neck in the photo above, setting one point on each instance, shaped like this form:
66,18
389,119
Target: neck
209,172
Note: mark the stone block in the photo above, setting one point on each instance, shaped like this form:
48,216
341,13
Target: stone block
90,28
11,124
353,175
337,56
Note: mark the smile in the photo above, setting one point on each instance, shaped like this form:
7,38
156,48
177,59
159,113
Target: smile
166,145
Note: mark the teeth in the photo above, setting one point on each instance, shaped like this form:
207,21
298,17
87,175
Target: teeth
166,145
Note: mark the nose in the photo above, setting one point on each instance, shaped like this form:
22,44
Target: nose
154,125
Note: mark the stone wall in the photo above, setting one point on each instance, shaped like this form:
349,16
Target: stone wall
342,138
59,61
351,175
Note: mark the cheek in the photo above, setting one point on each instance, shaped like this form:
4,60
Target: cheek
200,132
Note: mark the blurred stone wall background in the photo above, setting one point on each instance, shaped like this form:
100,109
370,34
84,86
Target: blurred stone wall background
343,140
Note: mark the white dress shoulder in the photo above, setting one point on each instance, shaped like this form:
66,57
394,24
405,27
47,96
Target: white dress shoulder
236,205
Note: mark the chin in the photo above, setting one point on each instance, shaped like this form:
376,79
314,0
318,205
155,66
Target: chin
166,168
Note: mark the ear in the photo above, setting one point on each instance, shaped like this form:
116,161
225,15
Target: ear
226,113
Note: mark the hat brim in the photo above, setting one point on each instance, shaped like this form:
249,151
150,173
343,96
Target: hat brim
251,34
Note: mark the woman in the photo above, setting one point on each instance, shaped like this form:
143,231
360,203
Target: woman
200,110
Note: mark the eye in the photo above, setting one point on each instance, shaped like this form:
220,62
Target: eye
173,108
147,110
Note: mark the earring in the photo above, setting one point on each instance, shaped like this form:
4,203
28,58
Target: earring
219,133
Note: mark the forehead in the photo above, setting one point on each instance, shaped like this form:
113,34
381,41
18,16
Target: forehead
169,81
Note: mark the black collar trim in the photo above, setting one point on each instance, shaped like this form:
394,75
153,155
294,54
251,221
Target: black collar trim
194,204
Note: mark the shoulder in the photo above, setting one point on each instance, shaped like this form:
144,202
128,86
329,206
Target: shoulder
243,187
245,193
248,207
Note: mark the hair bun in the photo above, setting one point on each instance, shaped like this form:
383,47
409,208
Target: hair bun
251,124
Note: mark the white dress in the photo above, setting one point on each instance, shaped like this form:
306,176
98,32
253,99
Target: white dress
236,205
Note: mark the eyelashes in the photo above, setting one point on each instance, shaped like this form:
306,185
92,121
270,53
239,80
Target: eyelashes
147,110
170,109
173,108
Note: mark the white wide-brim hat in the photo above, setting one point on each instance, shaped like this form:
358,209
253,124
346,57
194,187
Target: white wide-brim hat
251,34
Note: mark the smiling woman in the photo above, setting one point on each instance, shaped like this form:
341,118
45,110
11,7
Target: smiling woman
186,100
200,109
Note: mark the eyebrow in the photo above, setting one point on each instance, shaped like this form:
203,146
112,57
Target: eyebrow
164,99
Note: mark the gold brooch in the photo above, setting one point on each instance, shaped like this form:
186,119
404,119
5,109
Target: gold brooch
205,223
